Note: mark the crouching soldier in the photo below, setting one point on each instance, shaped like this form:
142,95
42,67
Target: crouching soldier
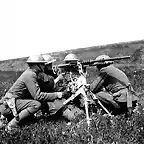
112,87
24,97
48,82
75,107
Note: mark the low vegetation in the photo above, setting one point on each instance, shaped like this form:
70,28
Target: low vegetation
103,130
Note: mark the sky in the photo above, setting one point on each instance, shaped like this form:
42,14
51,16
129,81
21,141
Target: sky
29,27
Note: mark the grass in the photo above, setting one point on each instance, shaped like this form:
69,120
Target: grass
103,130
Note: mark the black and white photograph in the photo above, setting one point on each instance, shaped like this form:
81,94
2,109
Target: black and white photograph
71,72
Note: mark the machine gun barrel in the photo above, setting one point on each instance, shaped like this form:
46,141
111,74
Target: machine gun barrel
117,58
92,62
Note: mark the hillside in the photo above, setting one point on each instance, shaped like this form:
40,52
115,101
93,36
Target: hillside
103,130
134,48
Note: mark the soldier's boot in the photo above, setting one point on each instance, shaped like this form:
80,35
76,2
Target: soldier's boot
45,109
3,121
13,124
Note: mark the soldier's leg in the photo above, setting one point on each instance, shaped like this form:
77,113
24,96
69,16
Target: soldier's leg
107,98
5,115
6,112
44,108
25,108
123,108
108,102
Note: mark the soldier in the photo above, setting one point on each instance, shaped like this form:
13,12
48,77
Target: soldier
113,88
48,78
48,83
24,97
74,108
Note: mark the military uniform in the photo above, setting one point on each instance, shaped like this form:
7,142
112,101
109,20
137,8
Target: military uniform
46,82
69,111
27,94
111,87
75,107
24,97
47,85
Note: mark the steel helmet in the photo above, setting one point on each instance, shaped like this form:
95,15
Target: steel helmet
71,57
36,59
48,58
103,57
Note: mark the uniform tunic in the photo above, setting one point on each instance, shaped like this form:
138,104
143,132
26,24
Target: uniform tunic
27,87
115,83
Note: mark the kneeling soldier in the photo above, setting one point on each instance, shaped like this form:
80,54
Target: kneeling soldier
24,97
75,107
112,87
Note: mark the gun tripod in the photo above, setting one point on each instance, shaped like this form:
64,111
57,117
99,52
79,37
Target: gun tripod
82,89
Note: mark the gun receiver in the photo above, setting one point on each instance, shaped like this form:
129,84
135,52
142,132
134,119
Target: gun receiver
66,65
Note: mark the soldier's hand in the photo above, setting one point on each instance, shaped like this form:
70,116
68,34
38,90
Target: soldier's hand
59,95
87,87
61,76
66,94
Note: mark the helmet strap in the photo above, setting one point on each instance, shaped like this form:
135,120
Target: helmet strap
40,68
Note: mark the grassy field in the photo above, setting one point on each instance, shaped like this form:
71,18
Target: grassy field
103,130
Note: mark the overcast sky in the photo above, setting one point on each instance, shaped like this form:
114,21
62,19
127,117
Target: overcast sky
41,26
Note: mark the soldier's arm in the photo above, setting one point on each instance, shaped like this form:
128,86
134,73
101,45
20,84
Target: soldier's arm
98,83
34,90
56,80
60,77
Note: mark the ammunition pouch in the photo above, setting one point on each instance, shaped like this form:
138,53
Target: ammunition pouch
131,96
125,95
10,101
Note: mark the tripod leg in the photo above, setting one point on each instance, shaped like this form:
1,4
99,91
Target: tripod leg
72,97
86,107
104,108
95,98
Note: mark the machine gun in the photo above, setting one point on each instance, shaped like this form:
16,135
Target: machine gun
91,62
80,84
